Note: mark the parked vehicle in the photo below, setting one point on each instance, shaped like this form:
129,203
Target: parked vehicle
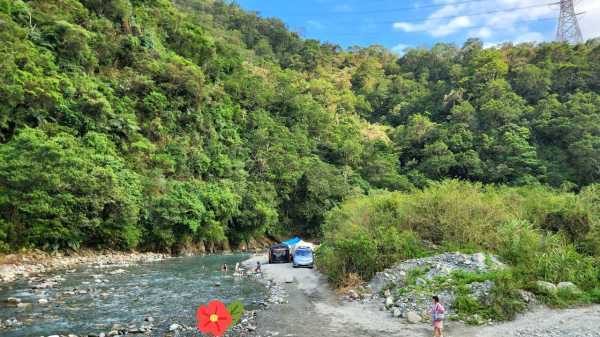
304,257
280,253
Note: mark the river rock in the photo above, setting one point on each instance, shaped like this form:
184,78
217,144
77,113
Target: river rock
149,319
112,333
218,284
568,285
478,257
389,301
7,276
174,327
43,301
413,318
421,282
22,305
13,300
250,327
547,285
397,312
387,293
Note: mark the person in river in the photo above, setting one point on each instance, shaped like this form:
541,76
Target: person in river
224,268
257,269
437,313
237,267
243,248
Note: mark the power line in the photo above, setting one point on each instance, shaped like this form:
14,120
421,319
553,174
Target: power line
382,10
448,17
458,28
301,4
325,4
441,30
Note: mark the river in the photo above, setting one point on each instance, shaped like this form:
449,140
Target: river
170,291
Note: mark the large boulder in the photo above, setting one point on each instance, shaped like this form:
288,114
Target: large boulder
413,318
478,258
547,286
568,285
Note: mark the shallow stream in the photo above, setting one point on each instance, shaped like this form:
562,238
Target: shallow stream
170,291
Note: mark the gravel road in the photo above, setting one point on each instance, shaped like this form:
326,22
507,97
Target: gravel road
313,310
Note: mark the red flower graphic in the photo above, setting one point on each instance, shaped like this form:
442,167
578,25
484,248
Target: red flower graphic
214,318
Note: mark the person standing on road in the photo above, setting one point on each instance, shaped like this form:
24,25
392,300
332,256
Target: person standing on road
437,314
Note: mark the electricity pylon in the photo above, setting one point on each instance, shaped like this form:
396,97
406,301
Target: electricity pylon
568,28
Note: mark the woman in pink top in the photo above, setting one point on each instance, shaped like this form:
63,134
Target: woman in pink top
437,308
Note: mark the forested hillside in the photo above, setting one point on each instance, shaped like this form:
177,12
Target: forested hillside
149,124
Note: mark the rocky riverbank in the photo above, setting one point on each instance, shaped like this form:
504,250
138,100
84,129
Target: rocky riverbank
35,262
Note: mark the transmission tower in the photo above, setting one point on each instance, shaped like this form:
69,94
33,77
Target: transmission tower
568,28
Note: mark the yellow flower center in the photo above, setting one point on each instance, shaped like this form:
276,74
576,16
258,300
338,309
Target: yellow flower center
214,318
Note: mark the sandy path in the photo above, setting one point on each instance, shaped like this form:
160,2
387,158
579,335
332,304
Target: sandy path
313,311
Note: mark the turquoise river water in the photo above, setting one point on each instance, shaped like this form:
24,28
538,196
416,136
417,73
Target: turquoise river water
169,290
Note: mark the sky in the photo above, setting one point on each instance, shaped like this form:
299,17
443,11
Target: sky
399,24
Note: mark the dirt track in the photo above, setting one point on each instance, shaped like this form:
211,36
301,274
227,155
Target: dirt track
313,311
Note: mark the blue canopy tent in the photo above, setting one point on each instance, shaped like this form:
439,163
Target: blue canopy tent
292,241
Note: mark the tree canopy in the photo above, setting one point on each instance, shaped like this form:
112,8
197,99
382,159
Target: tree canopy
127,123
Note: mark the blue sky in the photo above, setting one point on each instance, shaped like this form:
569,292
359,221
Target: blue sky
400,24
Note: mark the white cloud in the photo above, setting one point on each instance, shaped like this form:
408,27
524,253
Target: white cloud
316,24
499,26
588,23
342,8
400,49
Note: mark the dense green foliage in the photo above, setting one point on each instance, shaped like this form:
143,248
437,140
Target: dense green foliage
539,232
134,122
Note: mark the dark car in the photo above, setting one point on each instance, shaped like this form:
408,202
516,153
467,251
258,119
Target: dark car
304,257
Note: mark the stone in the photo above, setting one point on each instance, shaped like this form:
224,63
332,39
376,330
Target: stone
13,300
112,333
402,273
478,258
149,319
218,284
43,301
92,335
568,285
397,312
421,282
7,275
387,293
413,318
365,296
354,294
382,309
174,327
22,305
250,327
389,301
288,279
547,285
